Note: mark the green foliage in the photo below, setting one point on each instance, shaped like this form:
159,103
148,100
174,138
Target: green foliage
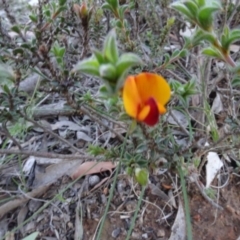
198,12
228,37
201,13
57,45
108,65
184,91
213,52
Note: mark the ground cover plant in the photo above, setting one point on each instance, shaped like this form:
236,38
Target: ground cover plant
119,119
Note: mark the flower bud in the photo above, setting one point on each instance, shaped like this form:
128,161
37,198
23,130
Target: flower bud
141,176
81,11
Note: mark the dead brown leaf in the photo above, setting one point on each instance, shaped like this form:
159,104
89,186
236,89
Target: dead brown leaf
92,167
55,171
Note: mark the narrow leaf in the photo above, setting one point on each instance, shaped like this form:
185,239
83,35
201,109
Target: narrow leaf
205,18
88,66
192,7
110,50
211,52
182,9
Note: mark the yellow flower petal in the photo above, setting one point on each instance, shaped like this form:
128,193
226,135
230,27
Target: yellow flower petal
143,113
161,108
153,85
131,99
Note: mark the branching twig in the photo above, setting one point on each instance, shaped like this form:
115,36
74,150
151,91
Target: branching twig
44,154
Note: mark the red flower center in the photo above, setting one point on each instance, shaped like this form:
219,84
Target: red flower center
153,115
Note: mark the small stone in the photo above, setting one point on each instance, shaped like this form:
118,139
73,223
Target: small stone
161,233
116,232
93,180
103,198
121,185
145,235
136,235
70,225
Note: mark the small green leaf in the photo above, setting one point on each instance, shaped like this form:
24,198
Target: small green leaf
6,89
122,10
62,2
113,3
108,72
16,29
141,176
175,53
60,9
106,6
89,66
26,45
166,58
183,53
18,51
183,9
34,18
126,61
236,82
233,36
200,36
110,50
99,56
205,18
61,52
201,3
118,23
212,52
47,12
192,7
103,90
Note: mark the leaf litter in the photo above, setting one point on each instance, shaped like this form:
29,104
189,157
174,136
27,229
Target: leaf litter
81,215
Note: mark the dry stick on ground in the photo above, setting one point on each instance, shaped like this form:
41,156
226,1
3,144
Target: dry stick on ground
52,133
65,111
9,206
45,154
42,112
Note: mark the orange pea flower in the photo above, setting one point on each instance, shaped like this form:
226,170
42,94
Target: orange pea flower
145,96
